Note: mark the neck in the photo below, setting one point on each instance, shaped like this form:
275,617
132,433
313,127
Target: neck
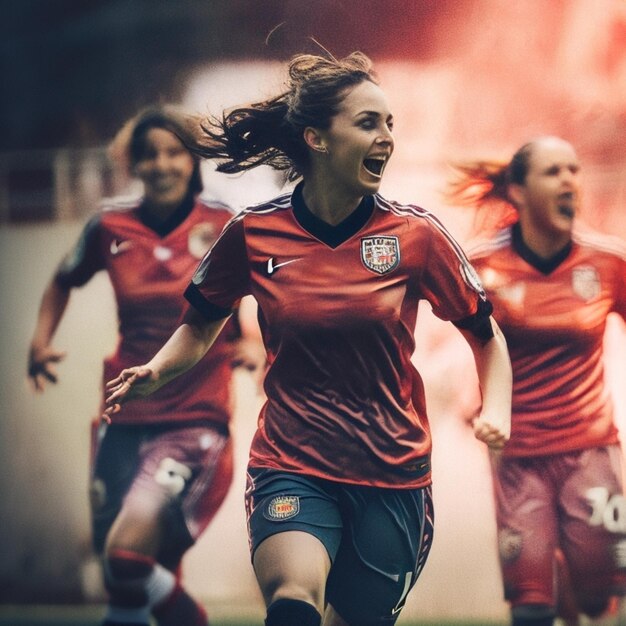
544,245
327,202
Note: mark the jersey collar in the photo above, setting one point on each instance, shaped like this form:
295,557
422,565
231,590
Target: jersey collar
545,266
162,229
332,236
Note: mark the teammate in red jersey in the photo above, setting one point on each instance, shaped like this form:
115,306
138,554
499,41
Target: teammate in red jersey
162,470
558,482
339,482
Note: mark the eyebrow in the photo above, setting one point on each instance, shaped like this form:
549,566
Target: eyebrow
373,114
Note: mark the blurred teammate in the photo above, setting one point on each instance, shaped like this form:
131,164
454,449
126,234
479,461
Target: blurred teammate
558,484
339,484
162,470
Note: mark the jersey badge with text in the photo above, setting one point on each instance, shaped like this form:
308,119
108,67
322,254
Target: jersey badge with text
586,282
282,508
381,253
201,238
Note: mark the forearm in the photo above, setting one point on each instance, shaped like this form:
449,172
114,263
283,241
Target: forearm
493,366
53,304
189,343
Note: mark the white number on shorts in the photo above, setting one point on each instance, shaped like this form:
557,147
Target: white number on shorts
608,511
172,475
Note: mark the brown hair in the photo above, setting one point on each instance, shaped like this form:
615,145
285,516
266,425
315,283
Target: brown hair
271,132
483,185
129,144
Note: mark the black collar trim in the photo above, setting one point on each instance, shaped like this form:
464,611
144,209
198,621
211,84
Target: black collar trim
164,228
545,266
332,236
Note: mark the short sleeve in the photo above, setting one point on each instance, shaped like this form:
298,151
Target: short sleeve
223,276
448,280
84,259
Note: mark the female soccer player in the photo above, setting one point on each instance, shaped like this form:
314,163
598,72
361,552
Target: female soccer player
339,482
558,485
162,470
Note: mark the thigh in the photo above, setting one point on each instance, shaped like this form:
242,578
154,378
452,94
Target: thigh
594,519
386,540
294,528
183,475
526,513
277,502
115,461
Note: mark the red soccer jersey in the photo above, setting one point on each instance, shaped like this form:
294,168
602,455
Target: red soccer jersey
149,274
553,317
337,308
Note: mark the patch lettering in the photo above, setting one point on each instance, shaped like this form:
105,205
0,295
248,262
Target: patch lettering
281,508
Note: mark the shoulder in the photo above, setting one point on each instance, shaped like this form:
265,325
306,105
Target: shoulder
487,245
120,209
279,204
213,206
600,243
422,223
406,211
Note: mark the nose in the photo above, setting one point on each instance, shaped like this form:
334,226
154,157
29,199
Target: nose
385,137
162,161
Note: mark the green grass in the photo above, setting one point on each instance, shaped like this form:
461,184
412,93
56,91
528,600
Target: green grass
91,616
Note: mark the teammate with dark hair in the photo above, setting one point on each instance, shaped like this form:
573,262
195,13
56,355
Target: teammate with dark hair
159,473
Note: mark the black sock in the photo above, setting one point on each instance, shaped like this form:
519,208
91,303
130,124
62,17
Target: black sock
286,612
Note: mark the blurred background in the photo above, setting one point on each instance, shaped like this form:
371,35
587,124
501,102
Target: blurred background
465,78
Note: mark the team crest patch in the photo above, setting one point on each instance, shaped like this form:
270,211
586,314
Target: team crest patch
281,508
586,282
201,238
381,254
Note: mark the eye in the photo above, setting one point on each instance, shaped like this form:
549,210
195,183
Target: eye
367,124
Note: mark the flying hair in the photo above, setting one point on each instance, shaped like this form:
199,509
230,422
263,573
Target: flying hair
271,132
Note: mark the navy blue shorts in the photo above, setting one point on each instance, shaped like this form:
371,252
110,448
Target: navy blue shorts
377,539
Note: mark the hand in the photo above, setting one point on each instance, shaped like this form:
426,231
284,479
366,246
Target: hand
40,370
494,436
134,382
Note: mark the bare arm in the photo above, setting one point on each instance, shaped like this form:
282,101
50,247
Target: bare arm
187,345
42,356
493,425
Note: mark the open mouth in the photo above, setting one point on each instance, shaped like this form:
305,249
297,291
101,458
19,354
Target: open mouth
566,204
375,165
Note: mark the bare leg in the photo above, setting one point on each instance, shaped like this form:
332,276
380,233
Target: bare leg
292,565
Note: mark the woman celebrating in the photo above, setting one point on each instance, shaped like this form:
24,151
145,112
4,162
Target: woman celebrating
162,470
558,485
339,483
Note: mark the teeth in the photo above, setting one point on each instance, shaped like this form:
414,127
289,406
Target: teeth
374,165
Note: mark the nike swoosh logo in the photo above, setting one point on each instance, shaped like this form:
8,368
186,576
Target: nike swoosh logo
272,266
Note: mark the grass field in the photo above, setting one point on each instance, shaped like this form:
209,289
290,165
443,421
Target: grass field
91,616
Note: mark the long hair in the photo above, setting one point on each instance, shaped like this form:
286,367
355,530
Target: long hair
483,185
129,144
271,132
